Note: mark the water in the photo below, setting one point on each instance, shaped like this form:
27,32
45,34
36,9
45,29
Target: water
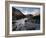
22,25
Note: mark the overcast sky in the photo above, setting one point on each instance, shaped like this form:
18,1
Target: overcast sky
29,10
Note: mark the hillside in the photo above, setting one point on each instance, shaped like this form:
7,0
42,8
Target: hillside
17,13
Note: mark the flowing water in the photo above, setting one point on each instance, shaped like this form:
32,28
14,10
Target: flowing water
22,25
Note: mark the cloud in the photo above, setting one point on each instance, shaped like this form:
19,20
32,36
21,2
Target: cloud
35,12
25,11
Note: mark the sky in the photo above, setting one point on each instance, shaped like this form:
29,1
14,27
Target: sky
29,10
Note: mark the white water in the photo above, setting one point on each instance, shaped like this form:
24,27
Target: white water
21,24
21,21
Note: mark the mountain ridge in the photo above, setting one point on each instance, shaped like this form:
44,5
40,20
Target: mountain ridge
18,14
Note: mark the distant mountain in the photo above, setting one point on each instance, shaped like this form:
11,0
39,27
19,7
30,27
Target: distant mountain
29,15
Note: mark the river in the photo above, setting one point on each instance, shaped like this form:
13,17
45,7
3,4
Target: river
22,25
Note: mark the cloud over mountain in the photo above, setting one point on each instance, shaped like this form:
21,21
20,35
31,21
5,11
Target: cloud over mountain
35,12
26,10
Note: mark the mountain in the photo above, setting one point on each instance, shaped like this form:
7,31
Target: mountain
17,13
